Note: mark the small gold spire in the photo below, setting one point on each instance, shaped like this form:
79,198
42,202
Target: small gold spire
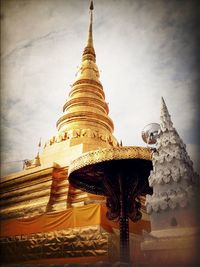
39,145
90,37
89,52
91,5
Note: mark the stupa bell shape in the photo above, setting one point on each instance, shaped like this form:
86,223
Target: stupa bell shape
173,179
173,207
85,113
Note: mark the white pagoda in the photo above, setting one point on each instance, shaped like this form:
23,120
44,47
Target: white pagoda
173,205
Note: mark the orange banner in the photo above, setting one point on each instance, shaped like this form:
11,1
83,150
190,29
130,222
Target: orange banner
88,215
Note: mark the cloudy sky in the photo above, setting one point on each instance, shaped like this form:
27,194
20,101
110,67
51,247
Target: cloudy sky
145,49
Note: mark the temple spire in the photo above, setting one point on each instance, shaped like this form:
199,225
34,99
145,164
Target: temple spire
89,53
90,37
165,118
164,106
85,113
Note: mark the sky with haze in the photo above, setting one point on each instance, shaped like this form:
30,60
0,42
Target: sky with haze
145,49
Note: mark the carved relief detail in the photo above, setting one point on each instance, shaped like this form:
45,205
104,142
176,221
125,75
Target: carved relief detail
171,199
107,154
77,133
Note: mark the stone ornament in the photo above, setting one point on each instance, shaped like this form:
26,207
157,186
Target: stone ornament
172,169
169,200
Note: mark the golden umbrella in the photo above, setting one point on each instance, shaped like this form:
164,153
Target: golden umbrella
121,174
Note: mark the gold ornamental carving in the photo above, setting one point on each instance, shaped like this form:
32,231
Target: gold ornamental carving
107,154
78,133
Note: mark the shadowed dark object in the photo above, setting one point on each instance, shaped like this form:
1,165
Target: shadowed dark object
121,174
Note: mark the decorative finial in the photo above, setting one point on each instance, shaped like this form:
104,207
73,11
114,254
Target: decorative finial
39,146
165,118
163,105
90,38
91,5
89,52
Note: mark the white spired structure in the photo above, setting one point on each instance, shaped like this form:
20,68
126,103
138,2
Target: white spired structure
172,207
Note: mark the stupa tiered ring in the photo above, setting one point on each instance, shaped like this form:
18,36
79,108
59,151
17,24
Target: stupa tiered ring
121,174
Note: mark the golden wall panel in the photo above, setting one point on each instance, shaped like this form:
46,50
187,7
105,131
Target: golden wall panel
31,188
26,177
25,209
30,196
79,242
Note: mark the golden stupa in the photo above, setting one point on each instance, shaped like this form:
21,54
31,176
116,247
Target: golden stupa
44,218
